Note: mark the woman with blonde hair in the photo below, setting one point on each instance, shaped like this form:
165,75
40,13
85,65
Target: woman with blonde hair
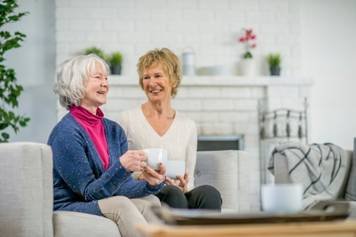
157,124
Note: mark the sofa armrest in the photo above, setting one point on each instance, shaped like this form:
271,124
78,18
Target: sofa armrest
26,191
67,223
221,169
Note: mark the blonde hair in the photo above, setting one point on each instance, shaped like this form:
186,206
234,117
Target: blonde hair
169,61
71,77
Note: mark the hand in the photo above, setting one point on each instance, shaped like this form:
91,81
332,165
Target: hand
154,177
133,160
180,182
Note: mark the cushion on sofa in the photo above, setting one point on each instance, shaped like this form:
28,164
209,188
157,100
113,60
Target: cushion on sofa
67,223
219,169
26,196
350,193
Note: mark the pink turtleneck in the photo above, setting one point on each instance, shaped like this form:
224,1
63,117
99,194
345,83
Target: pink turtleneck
94,126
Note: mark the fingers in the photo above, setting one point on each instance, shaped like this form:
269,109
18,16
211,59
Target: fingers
134,160
152,177
169,181
153,173
162,169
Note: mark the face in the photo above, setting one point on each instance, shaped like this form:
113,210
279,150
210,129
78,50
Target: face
156,83
96,88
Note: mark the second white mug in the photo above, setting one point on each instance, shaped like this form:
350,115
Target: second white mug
155,156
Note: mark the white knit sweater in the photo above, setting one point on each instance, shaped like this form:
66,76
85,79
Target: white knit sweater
180,140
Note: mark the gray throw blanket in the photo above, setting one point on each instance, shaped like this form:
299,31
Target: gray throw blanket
320,168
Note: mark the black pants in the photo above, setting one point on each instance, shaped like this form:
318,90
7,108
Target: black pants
202,197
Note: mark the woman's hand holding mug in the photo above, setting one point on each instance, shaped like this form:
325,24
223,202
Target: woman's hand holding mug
134,160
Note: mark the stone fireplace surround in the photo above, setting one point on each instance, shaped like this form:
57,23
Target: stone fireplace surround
222,106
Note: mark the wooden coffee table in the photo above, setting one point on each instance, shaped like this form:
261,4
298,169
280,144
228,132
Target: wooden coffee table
340,228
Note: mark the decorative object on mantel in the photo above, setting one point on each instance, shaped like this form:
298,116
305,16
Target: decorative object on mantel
115,62
274,63
188,61
247,64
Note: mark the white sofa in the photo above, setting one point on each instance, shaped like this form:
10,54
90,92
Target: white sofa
26,192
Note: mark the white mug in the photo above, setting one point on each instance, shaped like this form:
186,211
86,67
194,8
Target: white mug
175,168
283,198
155,156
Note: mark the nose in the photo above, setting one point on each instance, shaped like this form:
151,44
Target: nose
104,83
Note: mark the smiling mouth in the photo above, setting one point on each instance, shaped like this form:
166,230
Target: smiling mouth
155,90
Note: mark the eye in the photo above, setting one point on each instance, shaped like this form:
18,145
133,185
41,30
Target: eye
158,75
146,77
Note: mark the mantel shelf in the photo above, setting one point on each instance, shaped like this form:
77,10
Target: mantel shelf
223,81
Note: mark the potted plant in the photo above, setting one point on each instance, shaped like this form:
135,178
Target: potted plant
115,62
10,90
97,51
274,63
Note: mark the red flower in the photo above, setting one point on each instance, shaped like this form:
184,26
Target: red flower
249,41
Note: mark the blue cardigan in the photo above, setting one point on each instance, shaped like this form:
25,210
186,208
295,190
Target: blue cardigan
79,178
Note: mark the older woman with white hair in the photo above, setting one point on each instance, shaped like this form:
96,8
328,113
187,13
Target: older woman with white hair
92,163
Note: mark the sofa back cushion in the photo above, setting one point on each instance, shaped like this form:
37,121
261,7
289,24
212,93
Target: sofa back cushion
219,169
350,193
26,190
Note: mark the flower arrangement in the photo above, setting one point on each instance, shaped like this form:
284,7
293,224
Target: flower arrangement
249,40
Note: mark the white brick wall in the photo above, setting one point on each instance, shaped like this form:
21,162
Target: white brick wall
209,27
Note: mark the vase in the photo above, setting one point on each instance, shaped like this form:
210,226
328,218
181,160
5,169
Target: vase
116,69
248,67
275,71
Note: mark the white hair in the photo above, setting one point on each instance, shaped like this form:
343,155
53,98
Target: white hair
71,77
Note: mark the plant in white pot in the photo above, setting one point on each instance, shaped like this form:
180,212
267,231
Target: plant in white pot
274,64
247,64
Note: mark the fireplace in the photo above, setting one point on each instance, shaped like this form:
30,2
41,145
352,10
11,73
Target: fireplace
218,143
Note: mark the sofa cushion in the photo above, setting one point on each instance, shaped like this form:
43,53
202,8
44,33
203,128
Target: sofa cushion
26,196
350,193
67,223
219,169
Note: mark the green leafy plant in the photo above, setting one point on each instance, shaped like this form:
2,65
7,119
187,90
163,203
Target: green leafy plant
274,60
115,58
10,90
95,50
115,61
274,63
